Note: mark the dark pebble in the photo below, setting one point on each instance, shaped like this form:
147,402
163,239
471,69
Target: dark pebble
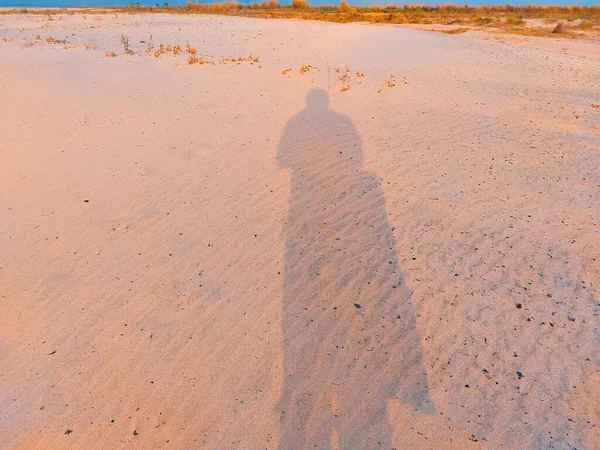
518,305
357,306
68,431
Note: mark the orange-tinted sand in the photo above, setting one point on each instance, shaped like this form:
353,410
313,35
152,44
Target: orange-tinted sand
224,256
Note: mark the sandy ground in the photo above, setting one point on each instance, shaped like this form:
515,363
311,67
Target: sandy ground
577,44
225,256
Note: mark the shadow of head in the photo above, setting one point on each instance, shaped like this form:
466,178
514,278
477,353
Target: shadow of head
317,99
319,140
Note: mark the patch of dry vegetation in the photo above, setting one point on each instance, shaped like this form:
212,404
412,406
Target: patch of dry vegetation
304,69
460,30
538,20
125,43
51,40
504,18
389,83
346,8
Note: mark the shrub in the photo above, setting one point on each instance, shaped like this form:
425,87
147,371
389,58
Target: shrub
299,4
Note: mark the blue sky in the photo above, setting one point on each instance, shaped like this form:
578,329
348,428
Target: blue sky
62,3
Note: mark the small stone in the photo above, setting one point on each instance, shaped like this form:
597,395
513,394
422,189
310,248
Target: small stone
518,305
135,433
68,431
357,306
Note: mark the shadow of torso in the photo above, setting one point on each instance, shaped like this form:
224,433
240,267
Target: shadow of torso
349,331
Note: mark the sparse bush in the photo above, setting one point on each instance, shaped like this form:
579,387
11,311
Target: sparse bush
125,42
299,4
345,8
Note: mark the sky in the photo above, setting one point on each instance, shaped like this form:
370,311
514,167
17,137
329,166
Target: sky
64,3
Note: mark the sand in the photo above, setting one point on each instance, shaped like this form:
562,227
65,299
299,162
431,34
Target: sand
221,255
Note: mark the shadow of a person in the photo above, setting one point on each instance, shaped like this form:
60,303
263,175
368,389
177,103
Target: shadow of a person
349,331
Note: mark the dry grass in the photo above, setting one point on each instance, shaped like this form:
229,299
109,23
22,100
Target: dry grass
177,50
51,40
125,43
304,69
535,20
390,83
454,30
559,28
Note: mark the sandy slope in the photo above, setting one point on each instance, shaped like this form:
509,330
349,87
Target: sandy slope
184,248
